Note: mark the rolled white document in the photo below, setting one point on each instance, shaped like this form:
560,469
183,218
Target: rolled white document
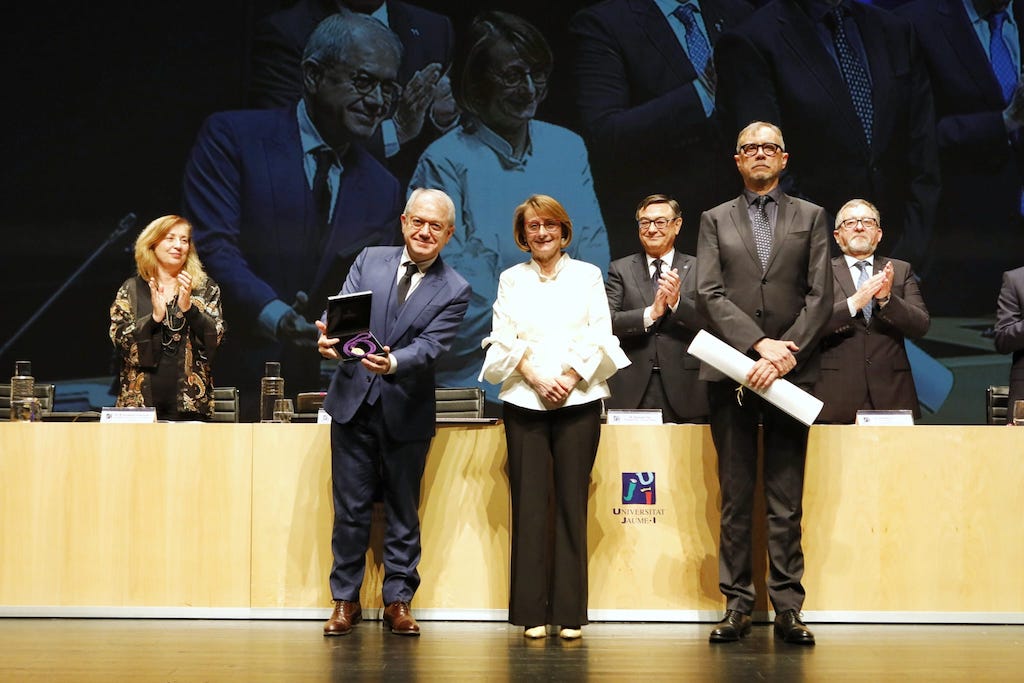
783,394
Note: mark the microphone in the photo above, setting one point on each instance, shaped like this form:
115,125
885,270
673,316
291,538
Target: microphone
123,226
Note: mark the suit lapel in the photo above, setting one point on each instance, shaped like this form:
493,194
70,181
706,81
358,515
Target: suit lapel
741,223
843,276
654,25
290,194
682,264
964,41
799,33
642,278
383,282
421,297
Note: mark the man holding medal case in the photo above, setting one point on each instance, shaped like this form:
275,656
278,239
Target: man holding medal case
382,407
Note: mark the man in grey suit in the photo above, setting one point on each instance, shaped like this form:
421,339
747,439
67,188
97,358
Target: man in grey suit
878,304
1010,332
765,286
382,407
652,300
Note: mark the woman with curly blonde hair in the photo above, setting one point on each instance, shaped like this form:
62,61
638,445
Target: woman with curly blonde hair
166,324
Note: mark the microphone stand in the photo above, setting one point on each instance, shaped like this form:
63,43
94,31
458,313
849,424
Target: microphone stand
123,226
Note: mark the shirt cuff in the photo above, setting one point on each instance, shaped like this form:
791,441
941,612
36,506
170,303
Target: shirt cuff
390,136
393,367
648,318
849,305
270,317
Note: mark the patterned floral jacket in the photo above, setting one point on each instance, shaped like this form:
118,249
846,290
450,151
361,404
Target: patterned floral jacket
137,339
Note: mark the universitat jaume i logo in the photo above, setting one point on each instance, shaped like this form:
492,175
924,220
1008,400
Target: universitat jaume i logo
639,489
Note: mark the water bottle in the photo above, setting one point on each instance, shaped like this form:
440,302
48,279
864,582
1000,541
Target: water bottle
23,388
271,389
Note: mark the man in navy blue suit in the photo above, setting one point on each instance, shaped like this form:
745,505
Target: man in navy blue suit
849,85
281,201
646,92
979,112
382,407
426,105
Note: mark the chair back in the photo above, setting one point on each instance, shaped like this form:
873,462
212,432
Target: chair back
44,392
997,399
459,402
225,404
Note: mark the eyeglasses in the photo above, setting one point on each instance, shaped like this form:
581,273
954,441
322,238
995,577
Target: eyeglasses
365,84
513,77
418,223
549,226
770,149
659,223
851,223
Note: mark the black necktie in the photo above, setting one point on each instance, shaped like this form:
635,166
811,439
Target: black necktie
854,74
321,188
657,263
406,281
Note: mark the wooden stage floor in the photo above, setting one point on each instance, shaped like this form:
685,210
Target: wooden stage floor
190,650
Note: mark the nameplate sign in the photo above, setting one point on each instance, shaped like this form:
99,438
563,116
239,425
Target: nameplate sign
128,415
885,418
323,417
640,416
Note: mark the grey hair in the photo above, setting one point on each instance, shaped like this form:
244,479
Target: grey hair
332,39
754,125
440,196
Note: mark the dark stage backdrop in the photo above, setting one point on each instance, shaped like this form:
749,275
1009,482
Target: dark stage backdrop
104,102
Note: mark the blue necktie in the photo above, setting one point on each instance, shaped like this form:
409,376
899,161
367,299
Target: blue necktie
762,231
861,279
999,55
696,45
854,74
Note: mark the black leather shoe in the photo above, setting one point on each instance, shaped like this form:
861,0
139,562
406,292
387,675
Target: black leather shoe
789,627
734,626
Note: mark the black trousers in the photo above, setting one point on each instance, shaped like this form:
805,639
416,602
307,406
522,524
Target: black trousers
734,430
366,459
550,456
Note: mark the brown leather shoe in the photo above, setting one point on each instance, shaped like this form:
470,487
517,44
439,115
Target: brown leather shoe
400,619
345,615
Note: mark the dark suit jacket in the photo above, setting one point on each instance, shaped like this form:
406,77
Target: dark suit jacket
791,300
775,68
256,230
982,169
1010,330
629,293
861,362
643,122
275,77
417,333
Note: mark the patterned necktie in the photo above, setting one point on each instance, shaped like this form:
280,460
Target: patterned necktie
406,281
762,231
861,279
696,45
854,74
657,263
999,55
322,188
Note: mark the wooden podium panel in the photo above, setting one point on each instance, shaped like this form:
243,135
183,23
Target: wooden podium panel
464,513
125,515
662,554
901,523
923,518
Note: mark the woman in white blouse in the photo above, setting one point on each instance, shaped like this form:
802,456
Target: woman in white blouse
551,348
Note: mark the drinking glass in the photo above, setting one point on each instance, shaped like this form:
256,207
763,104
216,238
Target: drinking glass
284,410
1018,413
